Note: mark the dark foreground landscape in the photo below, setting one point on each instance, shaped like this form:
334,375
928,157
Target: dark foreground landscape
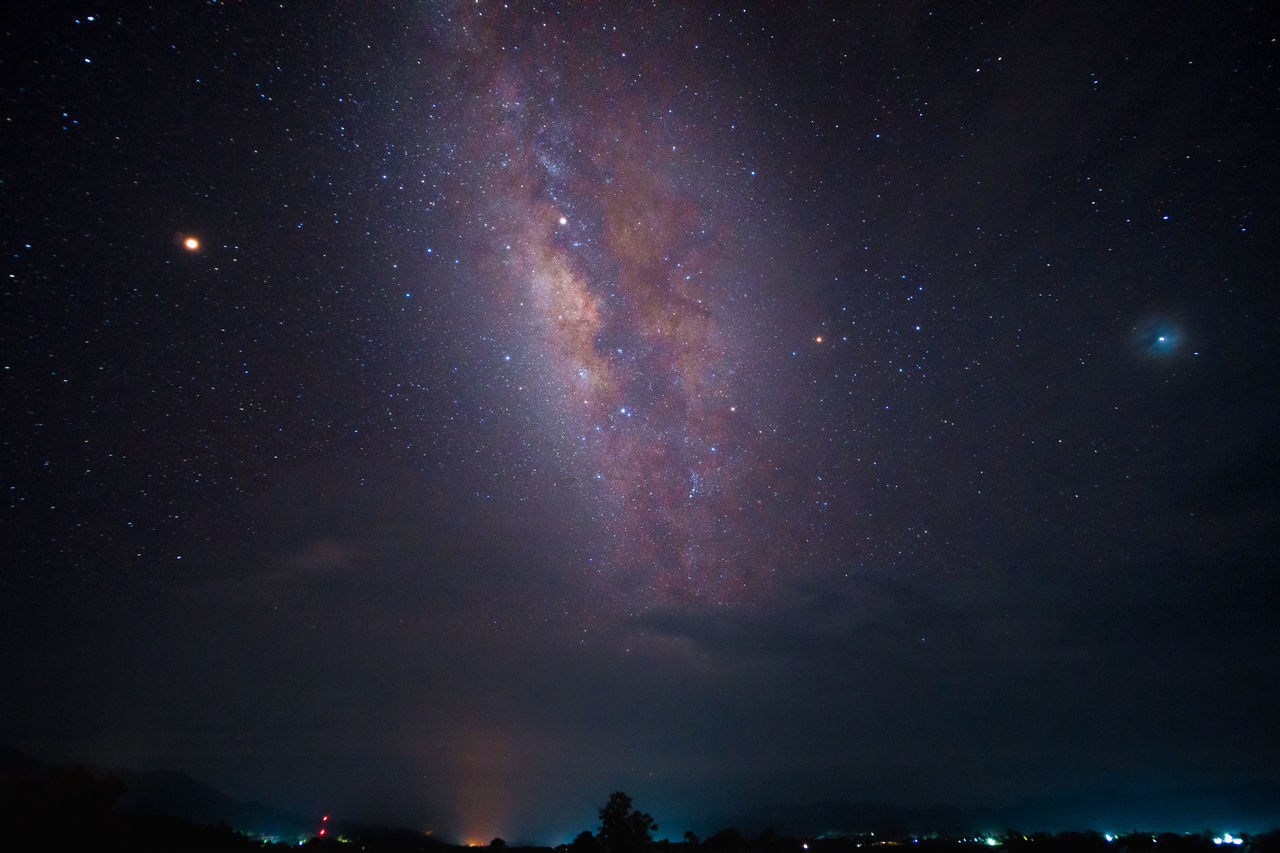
48,806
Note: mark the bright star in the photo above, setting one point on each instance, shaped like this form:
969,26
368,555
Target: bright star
1158,338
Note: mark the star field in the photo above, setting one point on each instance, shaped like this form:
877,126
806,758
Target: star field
445,413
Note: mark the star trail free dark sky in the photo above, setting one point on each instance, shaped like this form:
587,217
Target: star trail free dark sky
448,413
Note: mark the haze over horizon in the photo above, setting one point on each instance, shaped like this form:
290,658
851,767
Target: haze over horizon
446,414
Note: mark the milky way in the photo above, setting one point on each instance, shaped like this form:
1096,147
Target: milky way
620,260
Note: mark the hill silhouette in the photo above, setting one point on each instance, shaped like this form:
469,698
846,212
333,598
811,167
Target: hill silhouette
156,793
1248,807
77,800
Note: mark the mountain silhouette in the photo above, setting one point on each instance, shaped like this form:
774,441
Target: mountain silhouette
1247,807
166,793
1252,807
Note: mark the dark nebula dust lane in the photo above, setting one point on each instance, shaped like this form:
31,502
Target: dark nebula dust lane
447,413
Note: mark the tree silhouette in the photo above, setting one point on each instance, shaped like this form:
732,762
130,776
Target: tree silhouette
622,828
585,843
726,840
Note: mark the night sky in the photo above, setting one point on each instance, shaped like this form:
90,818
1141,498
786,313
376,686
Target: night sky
449,413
